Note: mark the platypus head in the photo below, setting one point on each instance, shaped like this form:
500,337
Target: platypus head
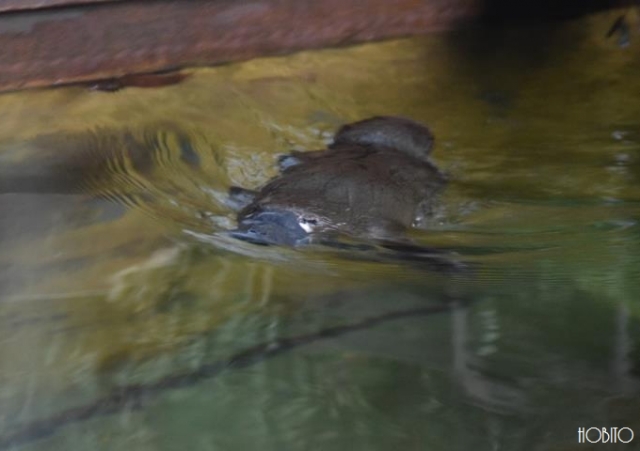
399,133
275,227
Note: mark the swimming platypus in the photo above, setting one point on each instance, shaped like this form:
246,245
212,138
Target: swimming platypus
373,182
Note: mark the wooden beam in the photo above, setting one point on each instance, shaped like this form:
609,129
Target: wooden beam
105,40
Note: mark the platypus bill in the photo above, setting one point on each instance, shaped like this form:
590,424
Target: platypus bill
373,183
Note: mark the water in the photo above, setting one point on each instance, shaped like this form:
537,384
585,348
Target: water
129,321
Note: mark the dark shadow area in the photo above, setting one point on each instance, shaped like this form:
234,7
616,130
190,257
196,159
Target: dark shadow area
497,12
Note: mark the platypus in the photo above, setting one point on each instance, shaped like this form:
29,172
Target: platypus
371,184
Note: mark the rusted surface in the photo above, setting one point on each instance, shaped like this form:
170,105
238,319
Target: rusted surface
50,42
109,40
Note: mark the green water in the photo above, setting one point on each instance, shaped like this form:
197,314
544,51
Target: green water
129,321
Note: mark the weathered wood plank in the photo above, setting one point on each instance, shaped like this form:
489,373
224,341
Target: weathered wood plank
73,44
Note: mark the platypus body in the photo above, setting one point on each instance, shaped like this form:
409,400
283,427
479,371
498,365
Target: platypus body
373,182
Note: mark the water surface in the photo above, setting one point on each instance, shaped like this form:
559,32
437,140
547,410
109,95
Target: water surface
129,321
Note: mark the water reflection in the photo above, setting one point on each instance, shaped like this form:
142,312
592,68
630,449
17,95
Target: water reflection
128,321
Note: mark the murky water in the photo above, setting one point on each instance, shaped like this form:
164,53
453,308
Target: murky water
129,321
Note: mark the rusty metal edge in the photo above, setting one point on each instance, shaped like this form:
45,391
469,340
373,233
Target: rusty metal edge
109,40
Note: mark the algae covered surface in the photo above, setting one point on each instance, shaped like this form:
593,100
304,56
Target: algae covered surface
129,321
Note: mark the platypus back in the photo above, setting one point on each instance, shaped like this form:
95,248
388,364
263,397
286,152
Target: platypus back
370,183
399,133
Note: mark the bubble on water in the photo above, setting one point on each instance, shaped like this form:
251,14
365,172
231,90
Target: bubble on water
622,158
611,200
487,350
618,135
618,169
